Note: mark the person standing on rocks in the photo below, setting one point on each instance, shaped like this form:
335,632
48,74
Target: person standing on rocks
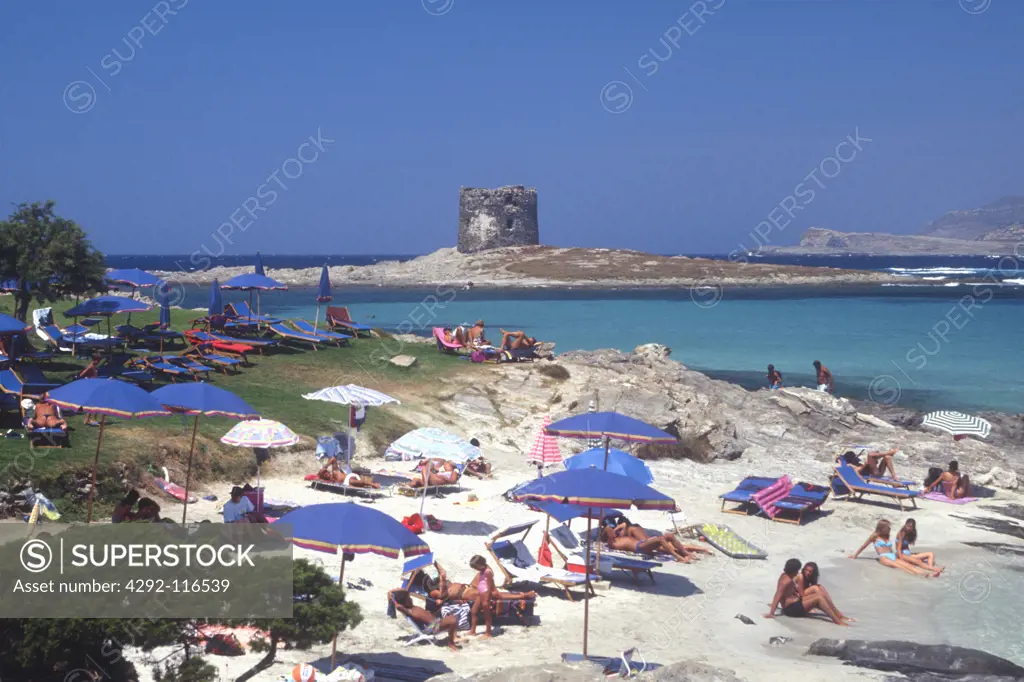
774,378
825,381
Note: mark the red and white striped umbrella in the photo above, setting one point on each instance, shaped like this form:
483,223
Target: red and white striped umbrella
544,452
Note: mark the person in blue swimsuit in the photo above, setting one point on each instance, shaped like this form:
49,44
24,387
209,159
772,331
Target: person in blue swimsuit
885,549
906,537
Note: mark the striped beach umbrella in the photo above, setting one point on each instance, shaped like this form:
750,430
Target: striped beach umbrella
544,452
958,424
260,433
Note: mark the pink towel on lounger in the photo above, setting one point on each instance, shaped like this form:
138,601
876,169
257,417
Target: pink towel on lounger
767,498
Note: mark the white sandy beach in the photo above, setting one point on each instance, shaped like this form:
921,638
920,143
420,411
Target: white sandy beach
689,613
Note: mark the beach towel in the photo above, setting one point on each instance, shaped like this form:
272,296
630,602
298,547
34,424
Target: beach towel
767,498
544,552
725,540
937,496
174,490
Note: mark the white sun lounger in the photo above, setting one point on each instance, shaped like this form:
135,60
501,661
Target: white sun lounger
518,565
569,547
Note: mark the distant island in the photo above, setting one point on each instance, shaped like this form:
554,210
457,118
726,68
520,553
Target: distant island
992,230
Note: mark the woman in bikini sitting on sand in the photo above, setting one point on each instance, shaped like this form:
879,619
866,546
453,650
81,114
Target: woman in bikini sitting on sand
331,473
807,584
907,537
886,552
623,527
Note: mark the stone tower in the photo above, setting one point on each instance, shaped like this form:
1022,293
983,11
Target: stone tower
492,218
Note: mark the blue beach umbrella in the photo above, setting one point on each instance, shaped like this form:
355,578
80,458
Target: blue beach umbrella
12,325
617,462
254,281
345,527
201,400
591,488
105,397
216,306
323,294
608,425
105,306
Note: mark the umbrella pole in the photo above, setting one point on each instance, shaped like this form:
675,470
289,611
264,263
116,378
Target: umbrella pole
426,481
188,469
316,320
341,583
95,464
586,596
600,518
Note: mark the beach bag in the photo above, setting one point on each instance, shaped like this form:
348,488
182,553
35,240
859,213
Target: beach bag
414,523
433,523
477,356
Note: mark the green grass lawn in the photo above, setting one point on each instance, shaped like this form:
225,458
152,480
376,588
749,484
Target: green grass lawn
273,385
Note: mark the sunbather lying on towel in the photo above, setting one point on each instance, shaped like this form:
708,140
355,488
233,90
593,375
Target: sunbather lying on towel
479,467
425,619
443,589
331,473
435,472
954,484
794,602
618,538
884,548
46,418
875,466
623,527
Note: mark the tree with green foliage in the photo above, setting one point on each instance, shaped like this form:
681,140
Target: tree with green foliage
50,257
320,612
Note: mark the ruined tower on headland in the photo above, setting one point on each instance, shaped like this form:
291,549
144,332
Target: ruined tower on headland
492,218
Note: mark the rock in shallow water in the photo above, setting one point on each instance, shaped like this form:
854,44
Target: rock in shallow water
912,658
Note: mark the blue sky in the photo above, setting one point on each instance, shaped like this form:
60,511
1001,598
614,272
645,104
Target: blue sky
152,148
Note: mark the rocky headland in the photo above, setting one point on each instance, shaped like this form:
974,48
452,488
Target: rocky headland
549,266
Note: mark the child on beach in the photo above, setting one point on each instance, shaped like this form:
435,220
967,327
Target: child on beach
794,603
886,551
484,582
774,378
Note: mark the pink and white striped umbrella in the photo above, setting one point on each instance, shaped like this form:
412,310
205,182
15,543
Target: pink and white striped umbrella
544,452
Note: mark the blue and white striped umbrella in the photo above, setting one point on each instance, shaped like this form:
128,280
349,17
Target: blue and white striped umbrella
351,395
957,423
431,442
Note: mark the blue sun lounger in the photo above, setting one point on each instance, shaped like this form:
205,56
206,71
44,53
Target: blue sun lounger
190,364
206,353
307,328
241,312
258,344
338,316
743,494
292,335
848,483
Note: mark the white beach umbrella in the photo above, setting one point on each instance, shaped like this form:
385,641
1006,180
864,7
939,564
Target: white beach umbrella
260,434
957,423
352,395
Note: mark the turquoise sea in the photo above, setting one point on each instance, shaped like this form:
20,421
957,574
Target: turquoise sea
952,347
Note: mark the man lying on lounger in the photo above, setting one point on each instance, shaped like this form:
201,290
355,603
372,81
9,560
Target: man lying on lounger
429,622
875,466
628,537
434,472
332,474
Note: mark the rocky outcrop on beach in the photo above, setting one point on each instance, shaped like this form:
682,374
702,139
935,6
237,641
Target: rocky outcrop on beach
796,430
447,270
920,661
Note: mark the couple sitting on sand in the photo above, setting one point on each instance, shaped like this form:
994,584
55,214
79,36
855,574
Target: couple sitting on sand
955,485
625,536
798,593
455,611
896,553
